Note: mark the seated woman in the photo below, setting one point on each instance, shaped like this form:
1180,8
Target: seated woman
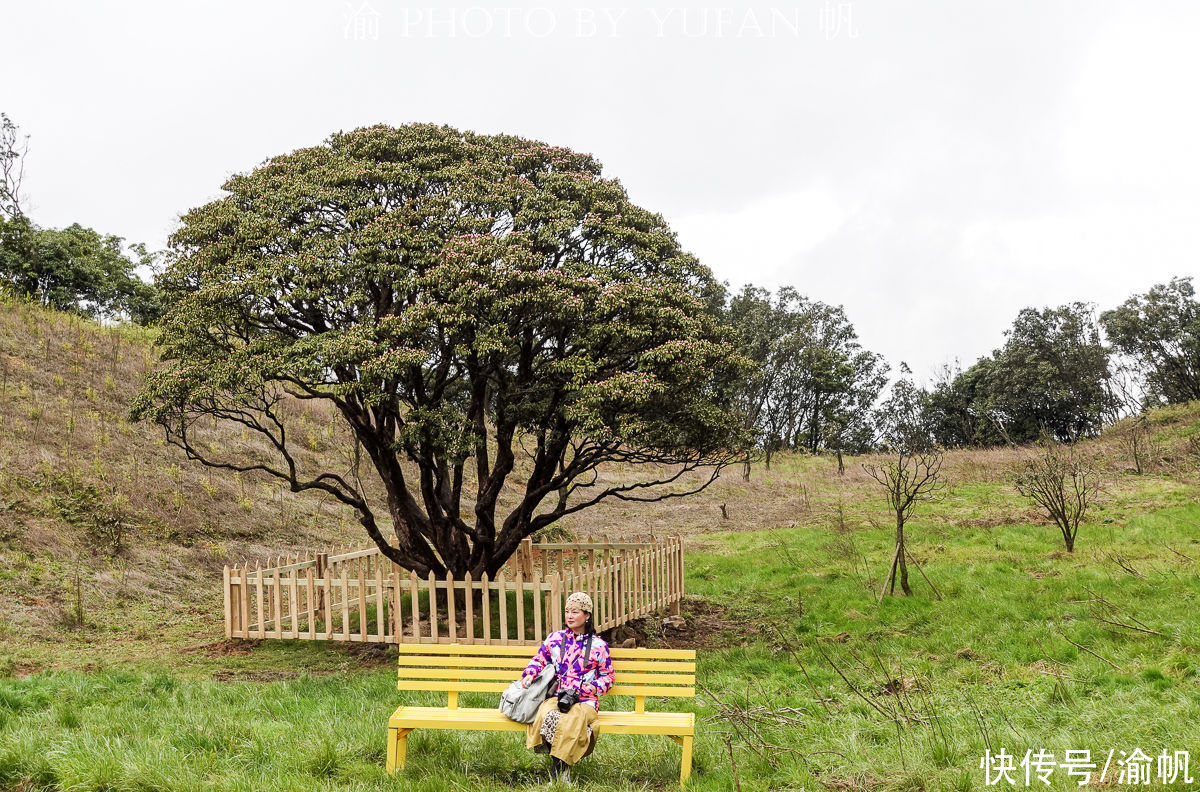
584,666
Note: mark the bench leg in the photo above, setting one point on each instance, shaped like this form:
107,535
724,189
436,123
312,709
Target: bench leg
685,761
397,749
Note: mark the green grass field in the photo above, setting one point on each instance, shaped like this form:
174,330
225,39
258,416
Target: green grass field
815,684
113,674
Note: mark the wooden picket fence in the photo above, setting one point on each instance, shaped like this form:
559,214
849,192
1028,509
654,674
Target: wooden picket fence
362,596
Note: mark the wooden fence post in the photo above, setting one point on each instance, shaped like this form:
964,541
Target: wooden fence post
520,607
433,625
258,590
294,599
397,602
310,600
362,601
244,604
415,595
525,561
486,587
537,607
345,600
451,608
228,605
556,605
676,575
502,582
322,564
469,599
277,599
379,608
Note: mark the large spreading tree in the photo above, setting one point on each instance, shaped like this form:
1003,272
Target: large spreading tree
488,315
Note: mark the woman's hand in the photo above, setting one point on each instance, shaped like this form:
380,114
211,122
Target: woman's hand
588,687
526,678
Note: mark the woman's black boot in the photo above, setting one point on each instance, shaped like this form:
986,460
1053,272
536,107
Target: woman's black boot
559,770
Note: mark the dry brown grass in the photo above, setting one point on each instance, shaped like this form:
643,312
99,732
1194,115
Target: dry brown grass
65,389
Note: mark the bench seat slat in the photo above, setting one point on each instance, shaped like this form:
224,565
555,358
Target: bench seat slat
615,722
466,649
652,691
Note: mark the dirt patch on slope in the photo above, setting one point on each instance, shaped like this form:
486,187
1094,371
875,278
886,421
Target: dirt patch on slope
705,625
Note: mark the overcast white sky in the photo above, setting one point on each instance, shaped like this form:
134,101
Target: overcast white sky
931,166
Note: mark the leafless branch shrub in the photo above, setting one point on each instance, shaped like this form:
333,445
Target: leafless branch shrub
908,478
1063,482
1138,443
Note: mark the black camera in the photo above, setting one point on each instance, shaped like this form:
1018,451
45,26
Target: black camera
567,699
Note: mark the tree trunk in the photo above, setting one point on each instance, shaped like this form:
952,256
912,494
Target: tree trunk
890,580
841,464
900,553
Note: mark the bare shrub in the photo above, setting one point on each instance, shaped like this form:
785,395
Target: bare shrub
1060,480
1138,443
908,479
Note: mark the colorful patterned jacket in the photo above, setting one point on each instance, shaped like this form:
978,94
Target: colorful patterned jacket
572,670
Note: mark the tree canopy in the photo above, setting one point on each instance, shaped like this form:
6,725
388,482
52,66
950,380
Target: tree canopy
1051,377
76,269
1160,331
72,269
487,314
813,385
903,420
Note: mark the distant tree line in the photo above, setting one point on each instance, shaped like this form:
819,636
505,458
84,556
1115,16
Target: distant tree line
72,269
813,385
1062,373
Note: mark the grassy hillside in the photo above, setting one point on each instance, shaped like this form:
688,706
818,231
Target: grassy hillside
116,677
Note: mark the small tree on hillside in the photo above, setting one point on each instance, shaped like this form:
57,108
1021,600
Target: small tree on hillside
1063,483
913,474
909,478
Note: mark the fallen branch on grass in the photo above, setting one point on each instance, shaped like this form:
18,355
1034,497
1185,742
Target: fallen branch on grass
746,720
1190,560
1089,651
1114,612
1129,626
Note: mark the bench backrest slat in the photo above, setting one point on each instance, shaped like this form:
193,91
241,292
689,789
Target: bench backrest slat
451,686
489,669
507,675
527,650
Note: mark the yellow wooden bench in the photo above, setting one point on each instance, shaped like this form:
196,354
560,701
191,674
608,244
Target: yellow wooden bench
489,669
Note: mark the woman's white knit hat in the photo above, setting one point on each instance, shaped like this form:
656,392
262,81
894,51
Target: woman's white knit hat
580,600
